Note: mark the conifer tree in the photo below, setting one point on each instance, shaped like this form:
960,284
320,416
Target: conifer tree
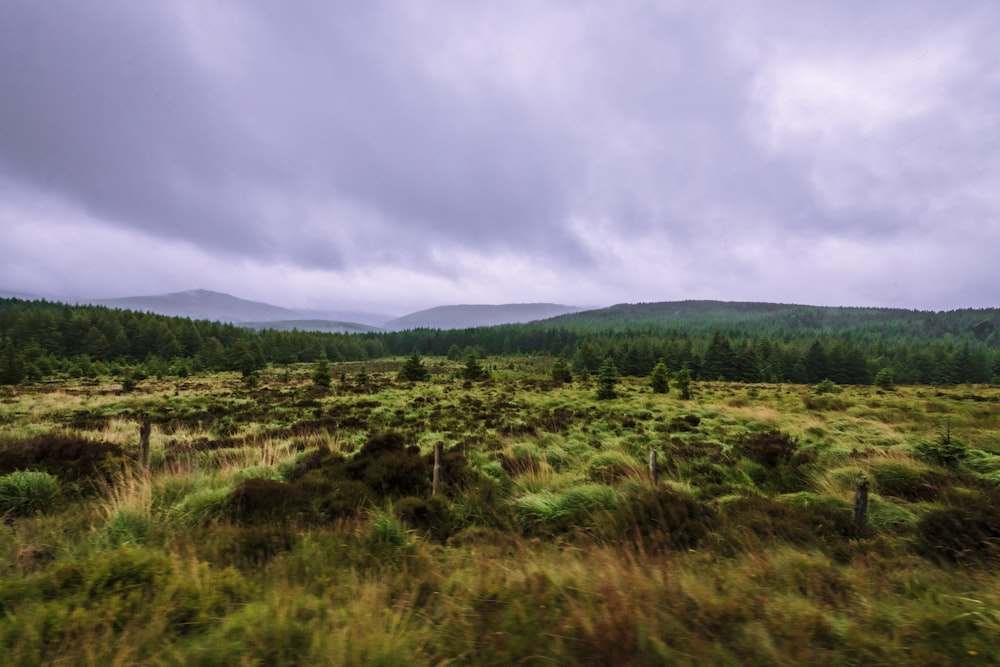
362,379
561,372
321,373
659,379
413,370
607,379
12,367
682,379
473,370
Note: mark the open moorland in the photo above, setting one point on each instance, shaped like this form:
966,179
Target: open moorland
280,521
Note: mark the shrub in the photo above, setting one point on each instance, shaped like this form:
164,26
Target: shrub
945,450
263,500
830,518
659,518
769,448
561,372
341,498
884,379
961,534
242,546
825,387
431,515
760,518
395,474
25,492
83,466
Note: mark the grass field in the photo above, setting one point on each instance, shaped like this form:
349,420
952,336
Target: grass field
288,524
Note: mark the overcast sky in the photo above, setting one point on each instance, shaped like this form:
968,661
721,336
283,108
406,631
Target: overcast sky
392,156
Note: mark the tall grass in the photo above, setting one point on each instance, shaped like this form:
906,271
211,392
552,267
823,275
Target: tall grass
559,552
25,492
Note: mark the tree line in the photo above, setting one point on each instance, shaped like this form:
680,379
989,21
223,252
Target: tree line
40,339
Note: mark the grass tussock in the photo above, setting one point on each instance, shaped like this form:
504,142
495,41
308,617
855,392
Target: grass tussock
286,524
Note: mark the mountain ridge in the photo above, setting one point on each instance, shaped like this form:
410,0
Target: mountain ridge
201,304
467,316
222,307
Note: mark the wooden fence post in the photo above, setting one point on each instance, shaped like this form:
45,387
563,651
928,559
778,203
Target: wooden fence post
144,431
652,467
861,505
437,468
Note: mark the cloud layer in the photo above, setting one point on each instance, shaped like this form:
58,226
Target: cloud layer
403,155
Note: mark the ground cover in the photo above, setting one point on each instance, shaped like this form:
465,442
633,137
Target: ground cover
293,524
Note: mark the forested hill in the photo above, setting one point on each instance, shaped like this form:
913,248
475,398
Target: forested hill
727,341
780,319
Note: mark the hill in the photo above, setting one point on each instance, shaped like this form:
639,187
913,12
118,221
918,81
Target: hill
324,326
469,316
773,318
202,305
376,320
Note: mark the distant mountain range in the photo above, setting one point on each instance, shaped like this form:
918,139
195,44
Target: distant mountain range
468,316
325,326
207,305
703,316
24,296
202,304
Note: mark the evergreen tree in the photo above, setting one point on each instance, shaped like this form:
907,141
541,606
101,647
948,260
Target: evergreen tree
473,370
12,368
682,379
587,358
413,370
659,379
884,378
816,363
362,379
321,373
561,372
719,359
607,379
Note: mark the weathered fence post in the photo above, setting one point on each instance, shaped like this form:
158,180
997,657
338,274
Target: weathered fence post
437,468
861,505
652,467
144,431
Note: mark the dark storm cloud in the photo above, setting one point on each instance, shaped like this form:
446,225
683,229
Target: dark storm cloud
618,151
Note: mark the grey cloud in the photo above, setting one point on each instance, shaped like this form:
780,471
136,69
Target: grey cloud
338,136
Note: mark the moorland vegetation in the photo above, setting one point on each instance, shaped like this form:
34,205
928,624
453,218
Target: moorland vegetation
288,513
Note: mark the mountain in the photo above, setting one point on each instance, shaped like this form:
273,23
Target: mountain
202,305
469,316
325,326
23,296
777,319
347,316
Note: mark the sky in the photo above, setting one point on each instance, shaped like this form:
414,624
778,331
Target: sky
393,156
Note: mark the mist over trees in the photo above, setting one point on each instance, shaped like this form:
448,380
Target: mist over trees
40,339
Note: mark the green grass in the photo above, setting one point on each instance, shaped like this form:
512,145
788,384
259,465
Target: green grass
25,492
550,546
